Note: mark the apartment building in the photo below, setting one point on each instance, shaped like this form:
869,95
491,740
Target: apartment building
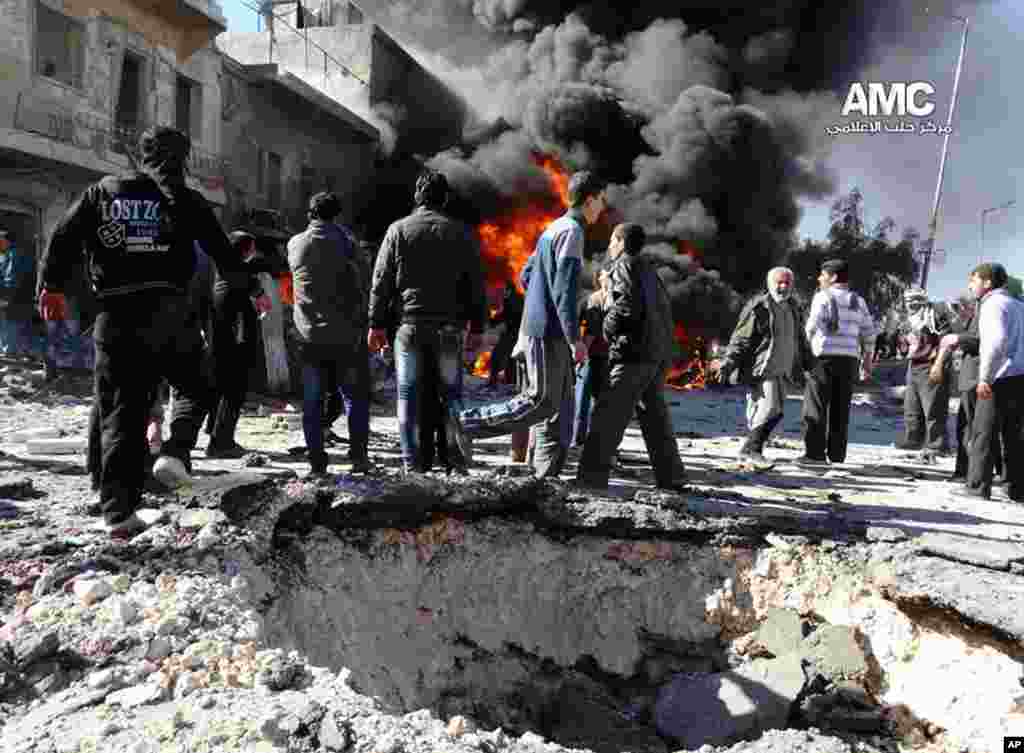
80,79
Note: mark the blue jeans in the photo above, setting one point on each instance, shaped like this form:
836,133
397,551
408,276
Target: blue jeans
64,344
329,368
589,380
15,335
417,348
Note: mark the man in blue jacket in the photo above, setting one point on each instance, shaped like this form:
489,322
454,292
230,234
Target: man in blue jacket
549,336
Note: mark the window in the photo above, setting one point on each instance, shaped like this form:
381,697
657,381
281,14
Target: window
129,114
261,170
60,46
274,180
188,108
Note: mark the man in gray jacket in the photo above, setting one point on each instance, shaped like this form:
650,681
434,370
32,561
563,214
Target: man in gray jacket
768,349
638,328
330,314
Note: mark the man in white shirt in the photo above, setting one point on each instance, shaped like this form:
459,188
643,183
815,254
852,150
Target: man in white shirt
1000,389
842,334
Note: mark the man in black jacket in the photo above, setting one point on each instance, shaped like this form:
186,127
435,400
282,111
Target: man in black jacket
639,329
969,343
429,270
138,234
231,337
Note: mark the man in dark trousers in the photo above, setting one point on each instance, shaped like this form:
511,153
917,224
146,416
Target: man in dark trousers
842,336
639,329
330,315
429,273
768,351
968,342
232,337
138,234
1000,391
549,338
925,402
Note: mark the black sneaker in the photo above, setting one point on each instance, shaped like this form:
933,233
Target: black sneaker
362,465
233,450
809,462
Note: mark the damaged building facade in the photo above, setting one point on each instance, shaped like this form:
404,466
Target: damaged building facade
340,52
80,79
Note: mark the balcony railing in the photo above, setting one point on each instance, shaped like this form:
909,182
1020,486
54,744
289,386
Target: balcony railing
102,135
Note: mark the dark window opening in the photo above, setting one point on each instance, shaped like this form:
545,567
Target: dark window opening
60,46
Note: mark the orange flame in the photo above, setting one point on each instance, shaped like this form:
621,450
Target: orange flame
482,365
508,241
690,372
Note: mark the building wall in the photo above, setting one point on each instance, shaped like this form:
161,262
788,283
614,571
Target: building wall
429,116
262,117
56,138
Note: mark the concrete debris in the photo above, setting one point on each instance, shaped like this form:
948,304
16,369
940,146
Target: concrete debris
271,614
724,707
91,590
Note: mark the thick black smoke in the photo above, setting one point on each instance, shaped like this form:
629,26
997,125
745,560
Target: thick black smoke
707,116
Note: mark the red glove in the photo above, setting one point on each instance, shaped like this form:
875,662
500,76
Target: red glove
287,289
52,306
262,304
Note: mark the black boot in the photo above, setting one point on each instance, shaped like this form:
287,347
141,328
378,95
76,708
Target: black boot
222,440
753,447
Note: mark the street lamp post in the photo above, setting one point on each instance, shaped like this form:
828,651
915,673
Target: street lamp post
933,225
985,213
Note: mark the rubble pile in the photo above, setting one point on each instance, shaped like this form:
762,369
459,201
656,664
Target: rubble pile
380,613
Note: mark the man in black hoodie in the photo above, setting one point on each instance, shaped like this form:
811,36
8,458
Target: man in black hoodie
639,327
137,233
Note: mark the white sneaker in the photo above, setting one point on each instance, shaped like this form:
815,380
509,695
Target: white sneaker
171,472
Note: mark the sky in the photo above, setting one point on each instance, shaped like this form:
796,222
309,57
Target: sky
897,173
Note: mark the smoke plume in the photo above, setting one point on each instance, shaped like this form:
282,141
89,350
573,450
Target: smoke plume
705,117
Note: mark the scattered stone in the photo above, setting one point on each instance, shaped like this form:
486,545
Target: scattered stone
281,674
92,590
140,695
159,648
456,727
104,678
781,632
722,708
122,610
836,653
199,518
885,535
336,733
35,647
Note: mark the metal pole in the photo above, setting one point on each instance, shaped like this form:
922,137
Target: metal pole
984,214
933,225
981,256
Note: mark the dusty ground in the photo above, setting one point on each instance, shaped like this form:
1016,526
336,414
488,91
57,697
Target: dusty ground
44,504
